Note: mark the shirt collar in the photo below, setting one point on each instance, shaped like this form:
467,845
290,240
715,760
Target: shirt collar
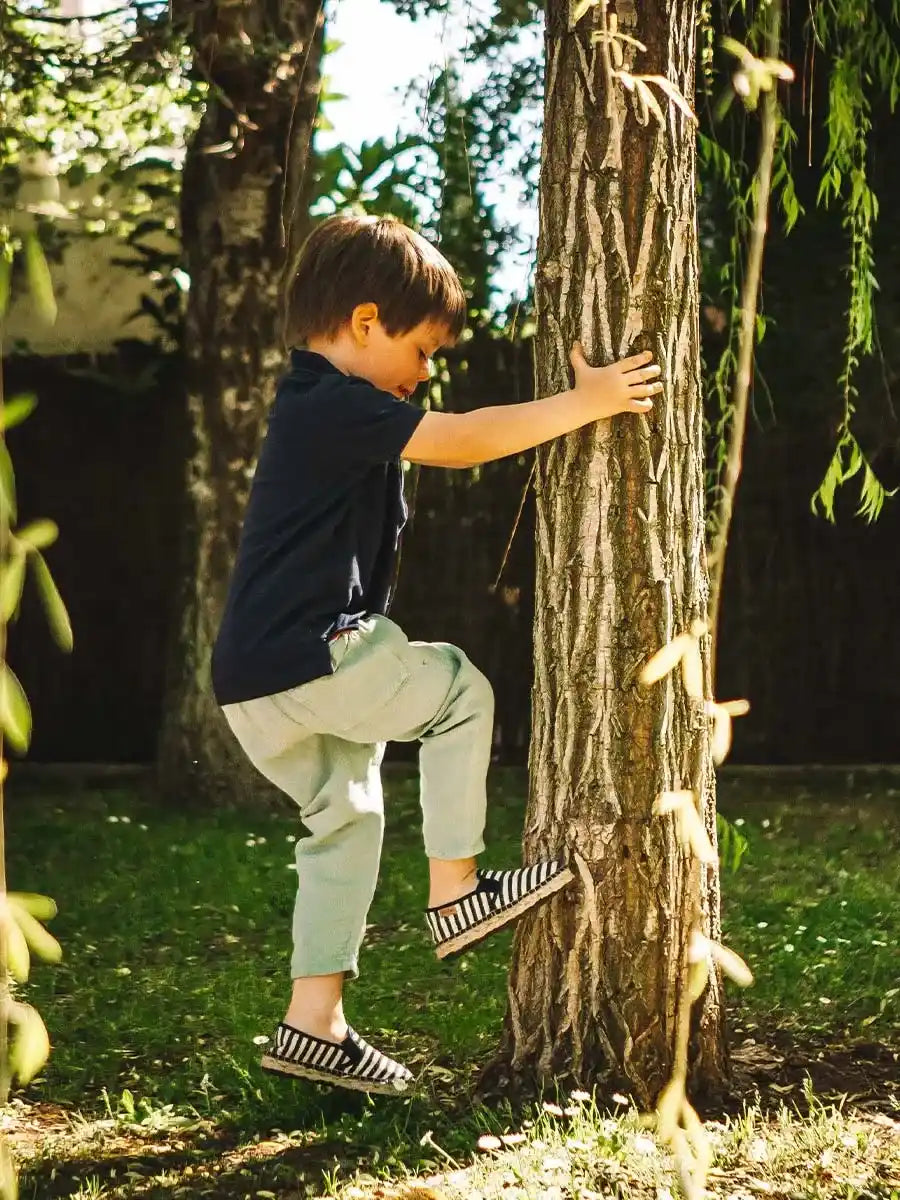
317,364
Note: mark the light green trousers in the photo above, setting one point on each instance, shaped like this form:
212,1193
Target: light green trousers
322,744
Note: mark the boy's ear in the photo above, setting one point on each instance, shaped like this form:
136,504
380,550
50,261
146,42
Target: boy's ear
362,319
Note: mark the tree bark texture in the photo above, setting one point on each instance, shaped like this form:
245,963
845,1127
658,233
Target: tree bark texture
242,215
597,976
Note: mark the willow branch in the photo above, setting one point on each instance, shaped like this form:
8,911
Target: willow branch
749,306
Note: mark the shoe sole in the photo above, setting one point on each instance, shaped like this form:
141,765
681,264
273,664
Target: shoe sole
277,1066
470,937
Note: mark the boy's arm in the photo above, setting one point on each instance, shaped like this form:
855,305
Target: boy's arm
469,439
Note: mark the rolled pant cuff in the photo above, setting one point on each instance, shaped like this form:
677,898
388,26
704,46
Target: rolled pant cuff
449,853
303,968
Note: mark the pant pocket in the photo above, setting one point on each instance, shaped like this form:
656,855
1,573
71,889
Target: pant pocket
367,677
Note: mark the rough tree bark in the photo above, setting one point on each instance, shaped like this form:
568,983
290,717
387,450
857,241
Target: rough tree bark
243,211
597,975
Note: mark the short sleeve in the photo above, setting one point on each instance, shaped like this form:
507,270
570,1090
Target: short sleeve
368,424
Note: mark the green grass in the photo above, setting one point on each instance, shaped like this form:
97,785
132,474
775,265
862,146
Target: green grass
815,909
175,928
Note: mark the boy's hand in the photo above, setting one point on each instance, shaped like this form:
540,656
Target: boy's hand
464,439
622,387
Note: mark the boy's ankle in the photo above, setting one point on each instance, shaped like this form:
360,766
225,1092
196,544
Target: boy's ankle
333,1030
317,1007
450,880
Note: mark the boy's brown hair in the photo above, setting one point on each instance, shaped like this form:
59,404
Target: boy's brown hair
351,260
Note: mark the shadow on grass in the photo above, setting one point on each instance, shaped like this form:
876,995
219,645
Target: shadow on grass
123,1164
397,1140
286,1149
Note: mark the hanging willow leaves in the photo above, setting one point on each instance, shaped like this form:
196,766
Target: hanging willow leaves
15,411
698,978
29,1044
42,943
15,712
57,615
40,284
5,280
37,535
7,486
865,71
665,659
18,958
9,1183
731,964
689,828
42,908
12,576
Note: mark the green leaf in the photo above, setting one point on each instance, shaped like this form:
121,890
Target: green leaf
15,713
11,579
667,86
650,100
39,282
57,616
5,279
824,493
42,907
9,1184
37,937
18,958
7,486
872,495
15,411
30,1045
37,535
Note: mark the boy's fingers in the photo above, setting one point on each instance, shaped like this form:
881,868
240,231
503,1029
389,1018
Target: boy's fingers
641,374
637,360
647,389
576,355
644,372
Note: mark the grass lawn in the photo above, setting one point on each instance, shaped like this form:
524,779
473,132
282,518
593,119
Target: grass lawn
175,928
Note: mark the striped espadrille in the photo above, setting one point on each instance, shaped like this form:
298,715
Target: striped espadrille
352,1063
499,898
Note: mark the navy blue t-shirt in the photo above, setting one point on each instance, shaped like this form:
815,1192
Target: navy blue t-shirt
321,531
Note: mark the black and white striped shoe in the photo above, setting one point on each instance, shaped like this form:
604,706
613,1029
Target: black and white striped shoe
499,898
352,1063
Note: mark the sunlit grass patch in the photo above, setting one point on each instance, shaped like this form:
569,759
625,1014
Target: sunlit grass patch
814,910
577,1150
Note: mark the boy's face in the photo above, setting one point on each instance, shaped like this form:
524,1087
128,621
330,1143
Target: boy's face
399,363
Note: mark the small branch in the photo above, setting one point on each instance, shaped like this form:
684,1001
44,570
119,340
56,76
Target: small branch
512,535
747,338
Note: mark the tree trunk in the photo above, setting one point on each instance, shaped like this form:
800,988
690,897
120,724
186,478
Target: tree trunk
242,217
597,977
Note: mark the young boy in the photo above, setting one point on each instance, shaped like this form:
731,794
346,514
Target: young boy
312,676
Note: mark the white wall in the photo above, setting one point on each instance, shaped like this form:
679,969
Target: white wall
95,297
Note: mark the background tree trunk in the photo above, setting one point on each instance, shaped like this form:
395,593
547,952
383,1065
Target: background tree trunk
597,975
242,215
